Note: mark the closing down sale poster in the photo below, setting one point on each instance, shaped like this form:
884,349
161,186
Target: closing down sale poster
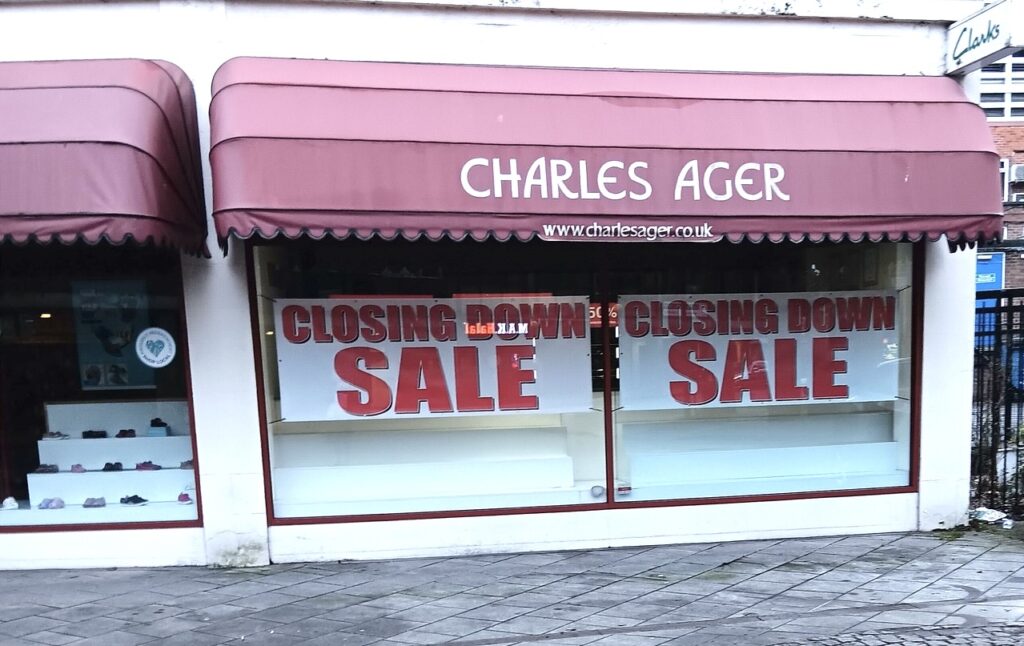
757,349
421,357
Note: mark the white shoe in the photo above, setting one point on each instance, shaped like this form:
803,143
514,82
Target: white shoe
10,503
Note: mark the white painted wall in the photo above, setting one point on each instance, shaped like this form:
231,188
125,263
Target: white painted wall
107,548
199,35
947,373
595,529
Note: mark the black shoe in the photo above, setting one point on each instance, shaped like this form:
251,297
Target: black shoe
115,466
133,501
93,435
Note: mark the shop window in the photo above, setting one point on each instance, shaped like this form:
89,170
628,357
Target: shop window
95,422
428,377
751,377
375,405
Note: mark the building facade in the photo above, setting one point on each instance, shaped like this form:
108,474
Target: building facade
426,278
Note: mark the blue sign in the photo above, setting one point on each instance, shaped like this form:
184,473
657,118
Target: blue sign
988,275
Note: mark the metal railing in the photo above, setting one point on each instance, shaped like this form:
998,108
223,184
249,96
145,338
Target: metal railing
997,467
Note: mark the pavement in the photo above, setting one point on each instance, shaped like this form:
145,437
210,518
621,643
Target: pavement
920,588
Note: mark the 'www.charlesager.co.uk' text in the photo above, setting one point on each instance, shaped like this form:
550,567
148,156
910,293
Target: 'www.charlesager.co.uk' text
619,230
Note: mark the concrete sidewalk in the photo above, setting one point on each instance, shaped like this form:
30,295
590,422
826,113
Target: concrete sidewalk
869,590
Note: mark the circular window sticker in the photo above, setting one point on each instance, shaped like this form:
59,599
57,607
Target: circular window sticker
155,347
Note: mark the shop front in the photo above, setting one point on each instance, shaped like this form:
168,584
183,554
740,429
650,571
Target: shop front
527,308
100,193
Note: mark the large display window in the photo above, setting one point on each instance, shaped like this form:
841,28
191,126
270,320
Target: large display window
781,377
95,420
450,377
422,378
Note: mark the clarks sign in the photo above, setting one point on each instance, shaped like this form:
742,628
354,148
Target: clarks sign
984,37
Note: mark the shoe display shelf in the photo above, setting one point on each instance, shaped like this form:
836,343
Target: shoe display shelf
74,417
160,485
168,451
73,513
155,486
356,472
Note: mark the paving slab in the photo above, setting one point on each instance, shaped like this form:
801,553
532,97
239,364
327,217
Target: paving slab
922,588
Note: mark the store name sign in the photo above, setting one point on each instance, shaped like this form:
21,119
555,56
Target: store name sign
984,37
763,349
403,358
550,178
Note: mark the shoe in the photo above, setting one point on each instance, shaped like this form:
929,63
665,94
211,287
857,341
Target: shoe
158,428
77,468
147,466
126,432
184,499
56,503
95,502
187,464
47,468
113,466
10,503
133,501
55,436
93,435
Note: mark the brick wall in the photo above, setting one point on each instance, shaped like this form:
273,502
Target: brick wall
1009,140
1013,269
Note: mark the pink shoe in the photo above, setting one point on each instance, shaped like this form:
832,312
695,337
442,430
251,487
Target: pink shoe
77,468
184,499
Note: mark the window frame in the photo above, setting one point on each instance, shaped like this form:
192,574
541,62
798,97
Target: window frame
918,251
183,350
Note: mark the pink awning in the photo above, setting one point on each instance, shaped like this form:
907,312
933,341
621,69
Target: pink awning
100,150
316,148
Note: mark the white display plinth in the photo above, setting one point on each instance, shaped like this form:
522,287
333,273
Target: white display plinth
835,460
350,472
760,486
578,495
423,479
736,457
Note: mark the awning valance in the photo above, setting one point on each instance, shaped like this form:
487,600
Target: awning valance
100,150
318,148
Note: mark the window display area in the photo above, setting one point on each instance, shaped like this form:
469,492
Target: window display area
140,471
431,399
726,395
445,409
429,378
95,426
